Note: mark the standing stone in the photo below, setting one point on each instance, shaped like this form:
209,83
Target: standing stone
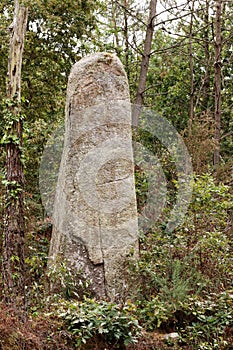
95,218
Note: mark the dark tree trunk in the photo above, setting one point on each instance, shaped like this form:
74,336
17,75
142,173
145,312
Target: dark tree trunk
145,61
191,67
13,250
217,82
206,87
126,37
115,27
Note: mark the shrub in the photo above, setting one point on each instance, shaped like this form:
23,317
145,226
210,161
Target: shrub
211,317
115,324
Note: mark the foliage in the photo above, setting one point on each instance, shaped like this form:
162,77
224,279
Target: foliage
211,317
208,230
200,142
181,276
117,324
57,36
66,282
184,280
168,81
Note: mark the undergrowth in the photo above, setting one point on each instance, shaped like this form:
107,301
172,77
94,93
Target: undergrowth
182,285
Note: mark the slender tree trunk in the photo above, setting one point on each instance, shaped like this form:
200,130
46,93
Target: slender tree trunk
191,102
13,250
126,36
206,86
115,27
217,81
145,62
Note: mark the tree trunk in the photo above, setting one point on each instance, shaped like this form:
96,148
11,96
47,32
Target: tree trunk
145,62
126,37
13,249
217,82
191,101
206,87
115,28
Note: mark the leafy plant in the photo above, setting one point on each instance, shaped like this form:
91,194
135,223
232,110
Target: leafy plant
116,324
154,313
66,282
211,317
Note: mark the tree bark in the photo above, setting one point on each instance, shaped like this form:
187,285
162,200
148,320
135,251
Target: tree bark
145,62
206,87
191,101
13,247
114,23
126,37
217,82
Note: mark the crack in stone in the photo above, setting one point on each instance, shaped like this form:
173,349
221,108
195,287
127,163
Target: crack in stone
114,181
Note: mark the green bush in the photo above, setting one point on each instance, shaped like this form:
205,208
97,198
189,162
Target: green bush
210,319
115,324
